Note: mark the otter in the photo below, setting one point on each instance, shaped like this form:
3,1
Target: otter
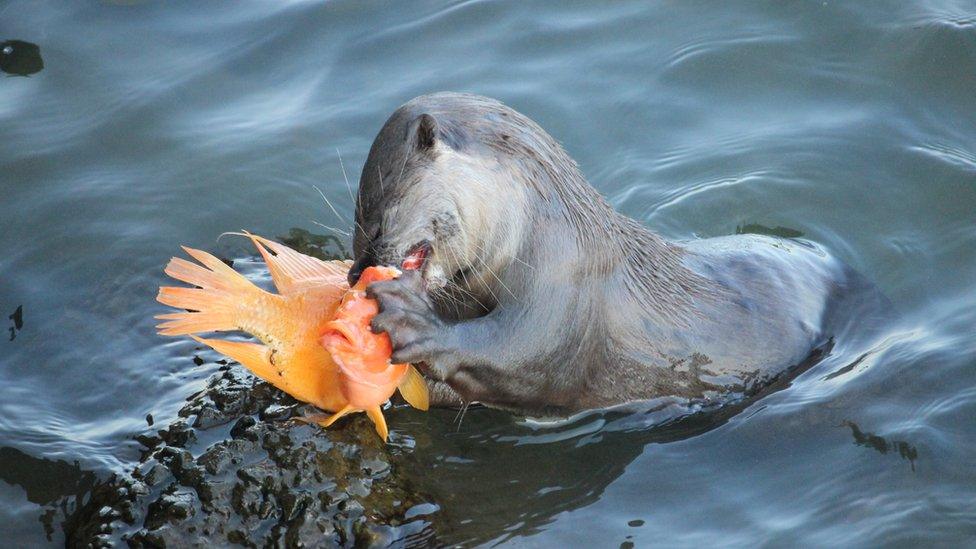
534,295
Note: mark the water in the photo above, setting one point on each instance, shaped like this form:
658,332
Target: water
854,124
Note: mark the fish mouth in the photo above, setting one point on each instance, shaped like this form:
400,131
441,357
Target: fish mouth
337,339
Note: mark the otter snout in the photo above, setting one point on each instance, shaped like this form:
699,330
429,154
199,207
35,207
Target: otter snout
361,264
378,251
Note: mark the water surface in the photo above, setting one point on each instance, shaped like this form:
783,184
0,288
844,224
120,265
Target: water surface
147,126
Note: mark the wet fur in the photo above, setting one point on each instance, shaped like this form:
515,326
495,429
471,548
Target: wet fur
539,297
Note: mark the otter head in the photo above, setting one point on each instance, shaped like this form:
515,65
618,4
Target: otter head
431,197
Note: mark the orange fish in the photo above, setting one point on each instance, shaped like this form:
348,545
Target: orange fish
369,379
291,324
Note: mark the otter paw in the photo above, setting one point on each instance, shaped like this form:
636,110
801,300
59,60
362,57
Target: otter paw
407,315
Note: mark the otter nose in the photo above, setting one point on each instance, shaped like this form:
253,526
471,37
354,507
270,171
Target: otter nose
360,265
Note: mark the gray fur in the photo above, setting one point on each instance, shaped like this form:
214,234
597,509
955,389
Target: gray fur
539,297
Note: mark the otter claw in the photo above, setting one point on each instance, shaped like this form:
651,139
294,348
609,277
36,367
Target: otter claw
437,372
407,292
408,317
409,354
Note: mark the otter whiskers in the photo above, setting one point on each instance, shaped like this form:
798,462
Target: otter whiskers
492,273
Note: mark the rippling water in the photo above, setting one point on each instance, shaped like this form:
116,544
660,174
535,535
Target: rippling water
853,124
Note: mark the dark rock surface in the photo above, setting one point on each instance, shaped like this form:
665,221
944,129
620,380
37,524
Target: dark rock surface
236,468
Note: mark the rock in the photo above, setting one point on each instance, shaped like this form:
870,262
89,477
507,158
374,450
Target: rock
266,480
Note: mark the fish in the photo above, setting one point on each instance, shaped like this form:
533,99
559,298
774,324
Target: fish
363,357
314,304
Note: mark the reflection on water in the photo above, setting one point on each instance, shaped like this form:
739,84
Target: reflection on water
882,445
16,321
20,58
326,247
44,481
56,485
756,228
542,471
547,468
849,124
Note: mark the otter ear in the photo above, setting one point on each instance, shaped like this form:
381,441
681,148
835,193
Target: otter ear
424,132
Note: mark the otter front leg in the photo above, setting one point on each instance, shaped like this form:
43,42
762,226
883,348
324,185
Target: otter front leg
419,336
503,359
416,330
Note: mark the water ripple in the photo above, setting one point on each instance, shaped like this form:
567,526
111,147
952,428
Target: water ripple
947,153
154,125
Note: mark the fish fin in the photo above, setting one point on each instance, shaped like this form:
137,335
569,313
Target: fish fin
191,273
215,303
293,271
376,414
347,409
413,389
253,356
218,267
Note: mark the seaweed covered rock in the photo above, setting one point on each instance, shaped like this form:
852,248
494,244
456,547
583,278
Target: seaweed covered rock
235,467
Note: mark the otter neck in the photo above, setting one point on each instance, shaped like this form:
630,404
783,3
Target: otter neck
612,245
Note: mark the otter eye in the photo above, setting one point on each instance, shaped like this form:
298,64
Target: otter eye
444,224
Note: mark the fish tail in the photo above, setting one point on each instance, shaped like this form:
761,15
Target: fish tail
214,305
376,414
